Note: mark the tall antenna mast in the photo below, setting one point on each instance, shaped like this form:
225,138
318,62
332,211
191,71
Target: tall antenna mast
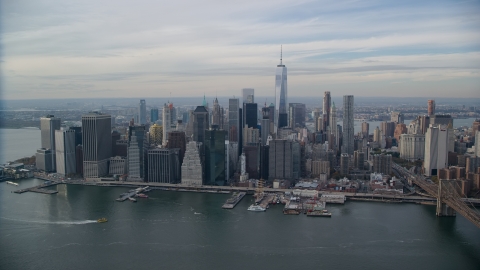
280,54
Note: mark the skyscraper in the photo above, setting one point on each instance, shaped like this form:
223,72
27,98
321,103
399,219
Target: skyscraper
265,124
216,113
248,95
192,171
332,141
163,165
431,107
200,123
156,134
436,149
233,120
142,112
48,125
153,115
365,129
296,113
280,159
250,117
348,119
65,151
327,101
166,121
215,157
281,118
135,153
97,145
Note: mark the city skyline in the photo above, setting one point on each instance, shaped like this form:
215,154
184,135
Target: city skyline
153,50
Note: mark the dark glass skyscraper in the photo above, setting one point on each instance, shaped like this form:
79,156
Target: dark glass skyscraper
215,157
200,124
250,115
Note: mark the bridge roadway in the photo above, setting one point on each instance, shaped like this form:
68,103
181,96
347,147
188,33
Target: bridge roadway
455,202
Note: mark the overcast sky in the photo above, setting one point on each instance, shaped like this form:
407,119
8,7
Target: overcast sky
55,49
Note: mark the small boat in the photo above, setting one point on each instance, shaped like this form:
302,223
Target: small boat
102,220
256,208
12,183
141,195
132,199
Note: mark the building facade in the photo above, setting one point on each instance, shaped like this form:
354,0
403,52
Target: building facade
97,145
65,151
348,120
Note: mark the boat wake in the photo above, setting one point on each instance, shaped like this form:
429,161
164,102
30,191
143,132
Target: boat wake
80,222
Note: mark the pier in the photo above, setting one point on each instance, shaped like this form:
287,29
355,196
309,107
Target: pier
234,200
39,189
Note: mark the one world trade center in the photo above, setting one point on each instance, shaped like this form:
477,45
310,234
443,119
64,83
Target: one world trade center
281,118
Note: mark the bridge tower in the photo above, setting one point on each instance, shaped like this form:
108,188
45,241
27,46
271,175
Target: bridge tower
446,190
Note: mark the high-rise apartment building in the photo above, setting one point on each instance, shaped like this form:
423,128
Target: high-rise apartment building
431,107
281,94
327,101
348,132
382,164
365,129
142,112
97,145
359,159
412,146
65,151
436,149
388,128
332,140
477,143
397,117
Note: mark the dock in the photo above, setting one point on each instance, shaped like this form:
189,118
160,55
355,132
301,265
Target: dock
39,189
234,200
131,194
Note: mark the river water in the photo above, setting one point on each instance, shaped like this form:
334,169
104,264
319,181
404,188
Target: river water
181,230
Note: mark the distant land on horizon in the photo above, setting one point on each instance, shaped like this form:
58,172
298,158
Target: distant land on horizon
156,101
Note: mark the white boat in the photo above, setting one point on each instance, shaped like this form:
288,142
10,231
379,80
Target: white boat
256,208
12,183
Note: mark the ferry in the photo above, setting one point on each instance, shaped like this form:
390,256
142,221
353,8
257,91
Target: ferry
102,220
256,208
12,183
132,199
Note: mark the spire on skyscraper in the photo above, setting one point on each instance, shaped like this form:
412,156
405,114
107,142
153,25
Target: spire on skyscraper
280,54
